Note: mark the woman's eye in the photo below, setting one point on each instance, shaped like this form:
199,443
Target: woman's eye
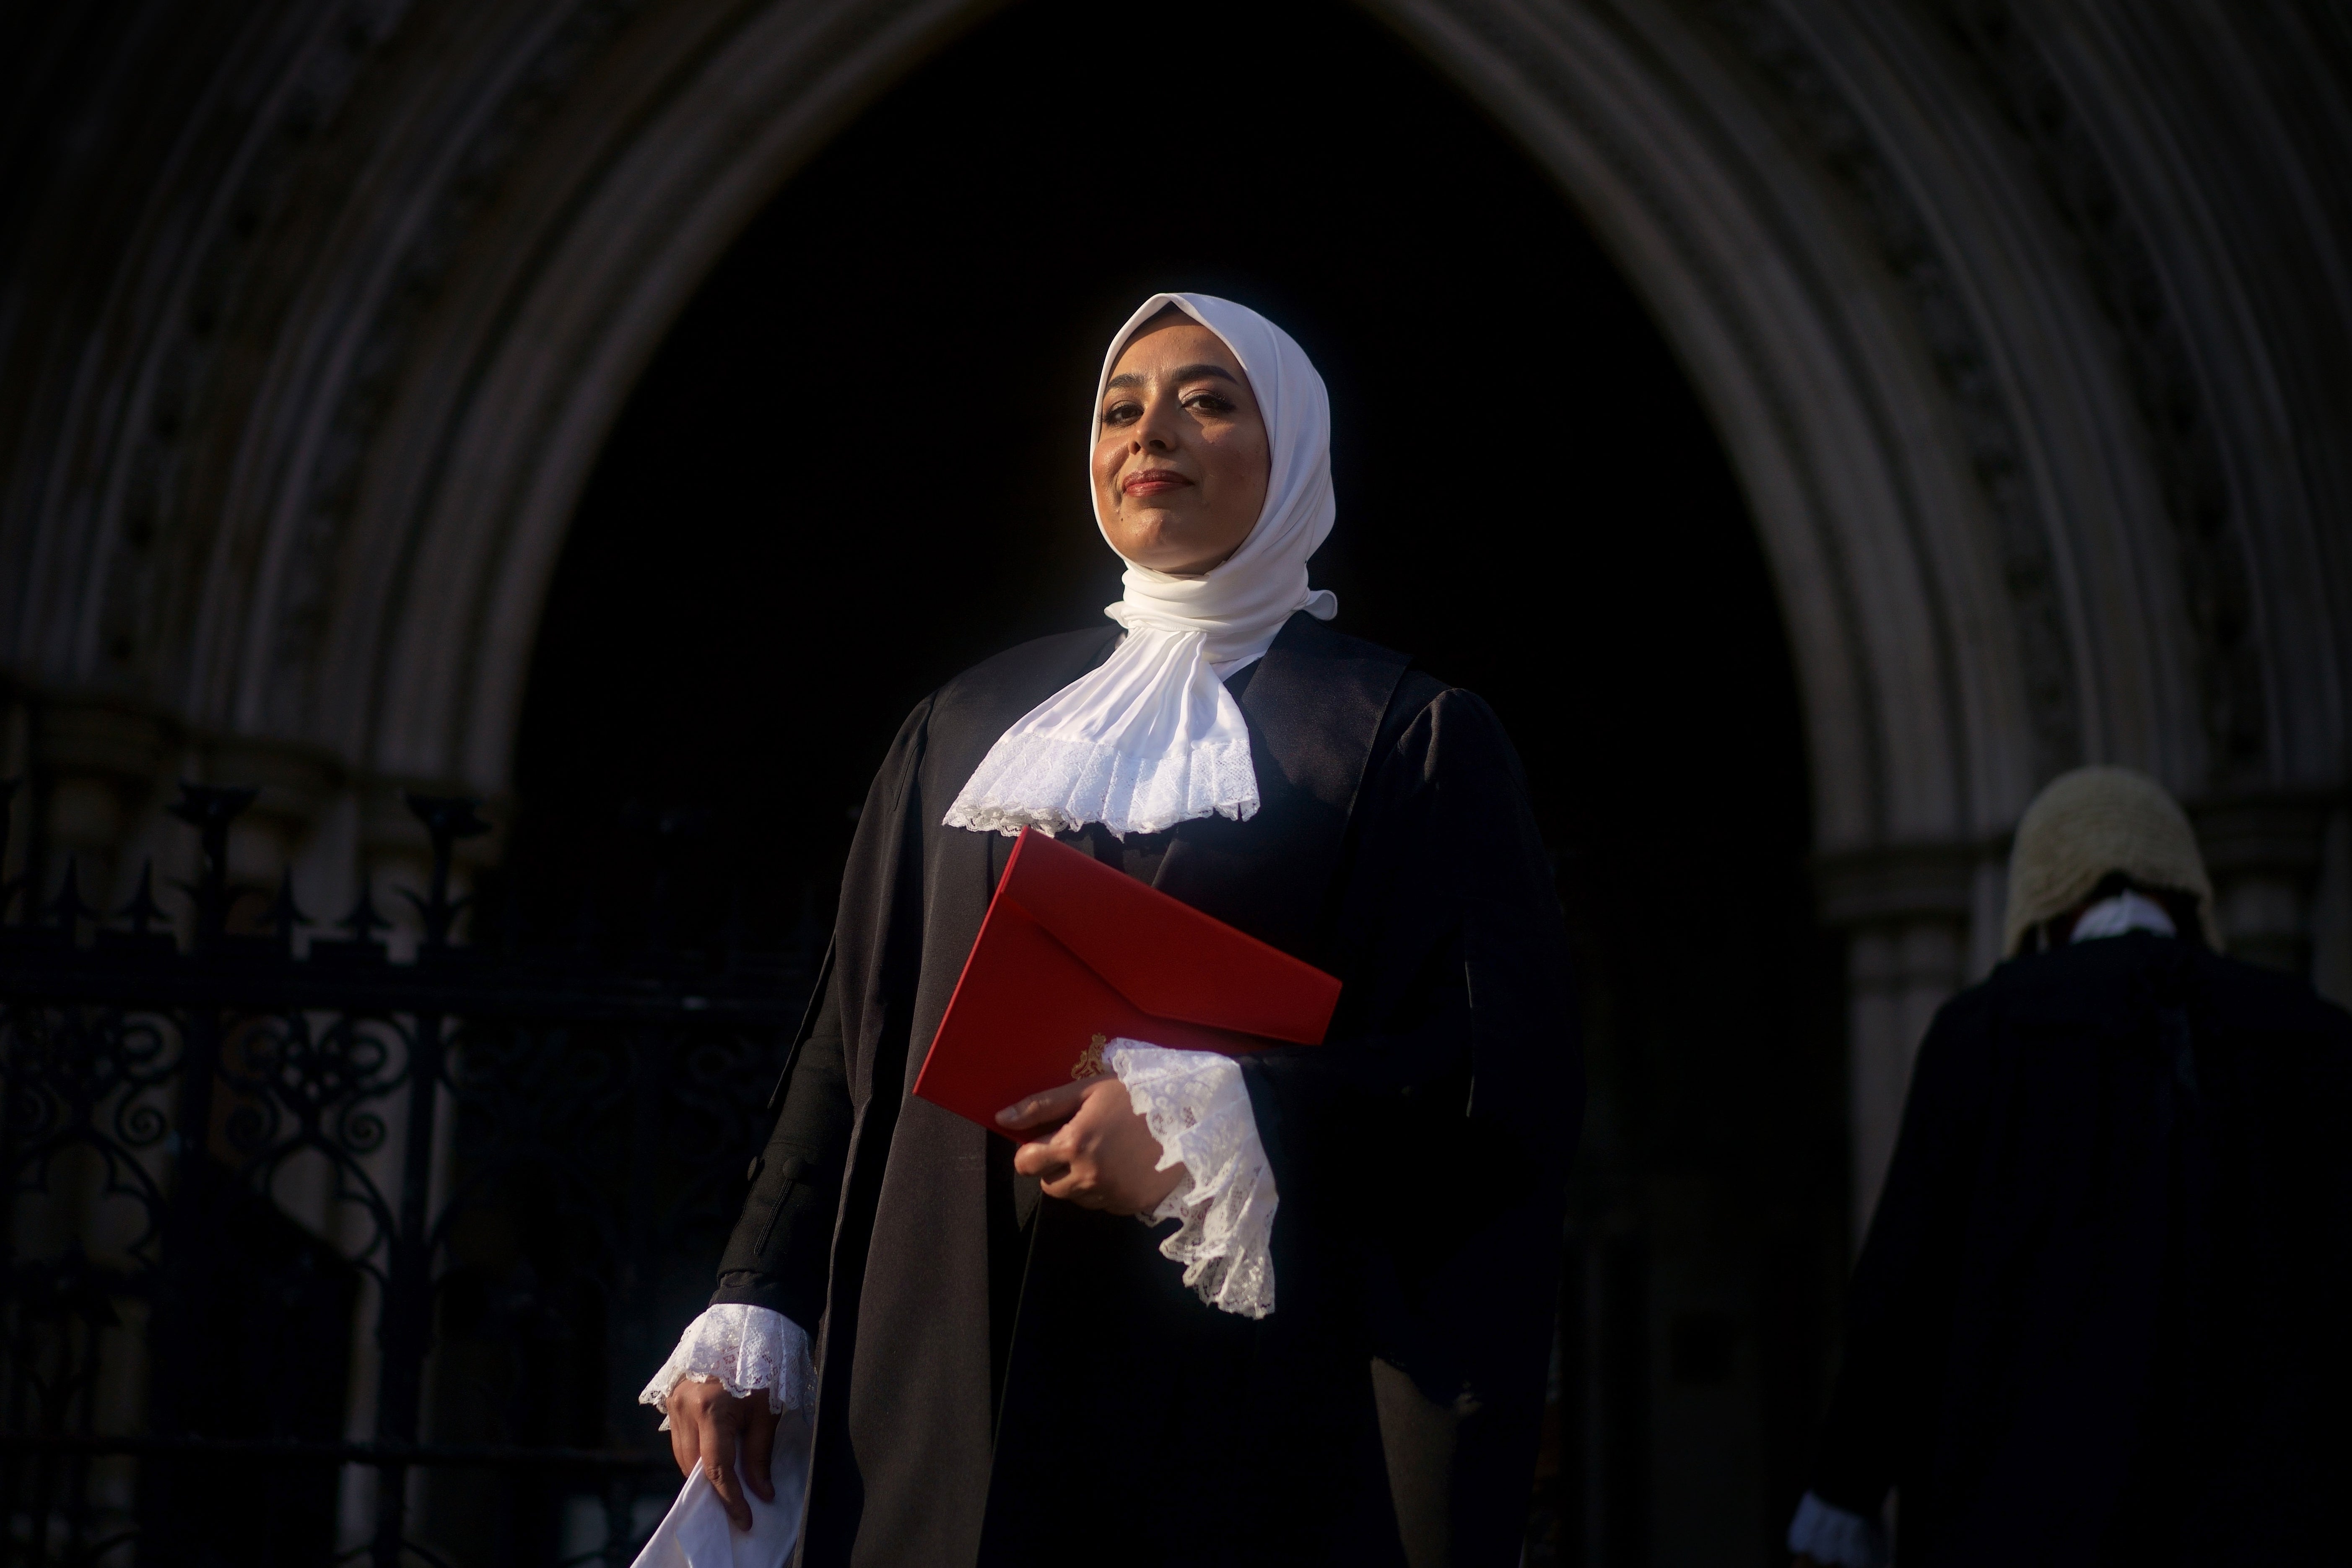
1122,413
1209,403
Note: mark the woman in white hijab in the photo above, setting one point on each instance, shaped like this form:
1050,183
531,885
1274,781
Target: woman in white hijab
974,1348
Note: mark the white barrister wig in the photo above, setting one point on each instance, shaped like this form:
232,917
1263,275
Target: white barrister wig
2088,824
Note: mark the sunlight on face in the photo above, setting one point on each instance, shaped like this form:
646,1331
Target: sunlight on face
1181,451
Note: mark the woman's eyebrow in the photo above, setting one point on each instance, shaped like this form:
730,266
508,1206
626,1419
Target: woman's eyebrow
1188,372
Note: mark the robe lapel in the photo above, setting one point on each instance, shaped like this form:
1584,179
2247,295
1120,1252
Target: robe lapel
1314,710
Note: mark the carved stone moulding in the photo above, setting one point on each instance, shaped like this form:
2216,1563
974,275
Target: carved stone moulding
102,767
1898,883
96,760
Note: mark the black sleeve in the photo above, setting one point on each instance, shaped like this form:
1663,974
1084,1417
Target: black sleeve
1455,1035
1459,1045
1898,1323
779,1252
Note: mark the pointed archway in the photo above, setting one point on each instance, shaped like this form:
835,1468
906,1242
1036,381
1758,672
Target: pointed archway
2022,330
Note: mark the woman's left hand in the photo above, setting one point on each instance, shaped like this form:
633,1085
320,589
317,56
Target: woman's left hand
1103,1157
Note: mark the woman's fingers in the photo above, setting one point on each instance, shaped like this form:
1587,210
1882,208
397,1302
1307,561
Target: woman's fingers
719,1463
1104,1156
1069,1164
759,1447
1060,1163
1081,1184
733,1439
1046,1158
1054,1174
1038,1110
1065,1146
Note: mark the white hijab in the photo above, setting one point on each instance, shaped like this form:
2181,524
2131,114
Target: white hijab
1152,738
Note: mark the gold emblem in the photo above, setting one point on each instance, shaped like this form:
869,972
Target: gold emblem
1091,1062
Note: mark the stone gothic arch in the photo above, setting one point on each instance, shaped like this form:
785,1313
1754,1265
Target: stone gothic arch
2025,326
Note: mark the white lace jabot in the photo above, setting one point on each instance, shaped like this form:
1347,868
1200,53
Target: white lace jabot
1149,739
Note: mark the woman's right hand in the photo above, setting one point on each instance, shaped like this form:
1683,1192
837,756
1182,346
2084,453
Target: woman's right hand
708,1424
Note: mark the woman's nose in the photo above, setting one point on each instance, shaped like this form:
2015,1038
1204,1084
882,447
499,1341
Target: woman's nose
1157,429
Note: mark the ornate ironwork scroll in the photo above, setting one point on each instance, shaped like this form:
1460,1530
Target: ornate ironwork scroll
311,1256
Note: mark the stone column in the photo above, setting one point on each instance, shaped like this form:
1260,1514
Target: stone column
2265,854
98,762
297,786
1905,911
2331,910
396,857
15,765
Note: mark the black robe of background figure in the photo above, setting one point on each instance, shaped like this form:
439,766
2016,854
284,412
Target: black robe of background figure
2102,1313
1007,1379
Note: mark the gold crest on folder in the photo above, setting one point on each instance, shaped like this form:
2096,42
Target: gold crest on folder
1091,1062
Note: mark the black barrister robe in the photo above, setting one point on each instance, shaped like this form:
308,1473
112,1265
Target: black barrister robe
1005,1379
2103,1314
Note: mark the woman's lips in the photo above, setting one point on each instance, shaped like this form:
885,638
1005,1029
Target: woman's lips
1152,481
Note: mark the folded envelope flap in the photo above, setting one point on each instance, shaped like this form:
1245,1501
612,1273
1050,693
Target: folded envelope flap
1168,958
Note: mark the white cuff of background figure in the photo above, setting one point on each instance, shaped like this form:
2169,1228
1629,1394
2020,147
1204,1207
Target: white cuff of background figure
1829,1534
1196,1105
743,1348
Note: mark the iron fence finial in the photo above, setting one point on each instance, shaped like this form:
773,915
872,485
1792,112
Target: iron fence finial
365,922
284,914
446,819
67,909
143,910
8,884
209,809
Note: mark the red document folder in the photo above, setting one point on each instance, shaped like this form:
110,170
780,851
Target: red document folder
1075,953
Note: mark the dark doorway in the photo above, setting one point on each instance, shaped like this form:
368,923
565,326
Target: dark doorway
856,468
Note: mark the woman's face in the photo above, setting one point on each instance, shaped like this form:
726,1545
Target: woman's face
1180,452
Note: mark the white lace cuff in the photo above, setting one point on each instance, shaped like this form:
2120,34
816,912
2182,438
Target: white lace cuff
743,1348
1194,1102
1830,1534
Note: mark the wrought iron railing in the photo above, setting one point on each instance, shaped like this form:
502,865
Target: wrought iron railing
312,1256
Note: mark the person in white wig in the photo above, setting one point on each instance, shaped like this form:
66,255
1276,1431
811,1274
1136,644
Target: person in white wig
2099,1315
1327,1339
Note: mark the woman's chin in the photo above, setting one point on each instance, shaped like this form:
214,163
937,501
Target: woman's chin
1180,562
1154,541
